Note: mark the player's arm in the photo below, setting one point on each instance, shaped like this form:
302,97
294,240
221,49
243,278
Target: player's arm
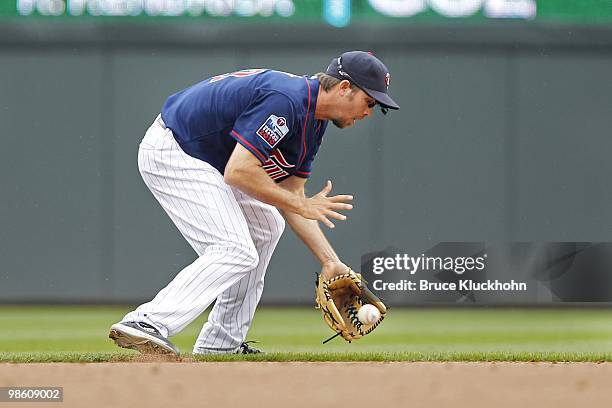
310,233
244,171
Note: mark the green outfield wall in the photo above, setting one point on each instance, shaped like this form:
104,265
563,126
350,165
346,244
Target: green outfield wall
504,135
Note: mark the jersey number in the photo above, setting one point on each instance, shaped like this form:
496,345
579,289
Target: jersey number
238,74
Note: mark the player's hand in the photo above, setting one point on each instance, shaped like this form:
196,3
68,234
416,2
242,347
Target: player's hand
320,207
331,269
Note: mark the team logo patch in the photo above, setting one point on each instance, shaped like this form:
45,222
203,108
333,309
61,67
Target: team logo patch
273,130
388,80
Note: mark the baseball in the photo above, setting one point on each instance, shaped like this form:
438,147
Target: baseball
368,314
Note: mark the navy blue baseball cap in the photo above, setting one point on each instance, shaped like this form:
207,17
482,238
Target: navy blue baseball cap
367,72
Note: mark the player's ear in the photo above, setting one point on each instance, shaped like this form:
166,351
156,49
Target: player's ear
344,86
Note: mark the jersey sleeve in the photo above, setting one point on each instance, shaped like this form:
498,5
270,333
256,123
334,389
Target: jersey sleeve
264,124
306,168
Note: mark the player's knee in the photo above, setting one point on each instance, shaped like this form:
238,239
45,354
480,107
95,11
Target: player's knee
252,259
241,256
247,256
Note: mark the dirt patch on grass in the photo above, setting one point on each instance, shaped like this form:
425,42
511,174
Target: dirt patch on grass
250,384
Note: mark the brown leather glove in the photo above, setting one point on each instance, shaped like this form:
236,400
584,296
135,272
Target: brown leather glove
340,299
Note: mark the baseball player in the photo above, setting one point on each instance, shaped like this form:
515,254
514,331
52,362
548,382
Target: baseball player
228,159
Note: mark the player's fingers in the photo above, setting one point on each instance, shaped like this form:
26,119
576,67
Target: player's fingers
340,206
327,222
341,198
327,188
335,215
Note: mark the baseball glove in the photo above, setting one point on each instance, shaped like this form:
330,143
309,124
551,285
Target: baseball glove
340,299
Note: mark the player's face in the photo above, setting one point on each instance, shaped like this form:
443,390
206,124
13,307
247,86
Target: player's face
354,105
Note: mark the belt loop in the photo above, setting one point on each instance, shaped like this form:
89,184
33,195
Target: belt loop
160,121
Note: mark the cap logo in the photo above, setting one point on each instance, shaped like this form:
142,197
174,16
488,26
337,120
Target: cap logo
340,71
388,80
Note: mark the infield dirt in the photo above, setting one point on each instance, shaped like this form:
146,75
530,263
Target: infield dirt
244,384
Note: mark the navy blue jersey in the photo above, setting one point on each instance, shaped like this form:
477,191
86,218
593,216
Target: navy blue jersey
270,113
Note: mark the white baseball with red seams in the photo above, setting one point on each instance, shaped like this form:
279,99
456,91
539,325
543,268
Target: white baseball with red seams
368,314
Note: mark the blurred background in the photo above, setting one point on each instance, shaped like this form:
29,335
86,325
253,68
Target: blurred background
504,133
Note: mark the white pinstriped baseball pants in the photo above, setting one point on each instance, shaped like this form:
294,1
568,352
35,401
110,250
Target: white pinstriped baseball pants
233,234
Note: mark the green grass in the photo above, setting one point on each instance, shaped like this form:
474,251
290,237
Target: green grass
79,334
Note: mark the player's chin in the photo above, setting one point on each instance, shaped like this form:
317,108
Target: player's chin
343,124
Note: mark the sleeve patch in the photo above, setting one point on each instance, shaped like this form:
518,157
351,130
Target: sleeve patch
273,130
